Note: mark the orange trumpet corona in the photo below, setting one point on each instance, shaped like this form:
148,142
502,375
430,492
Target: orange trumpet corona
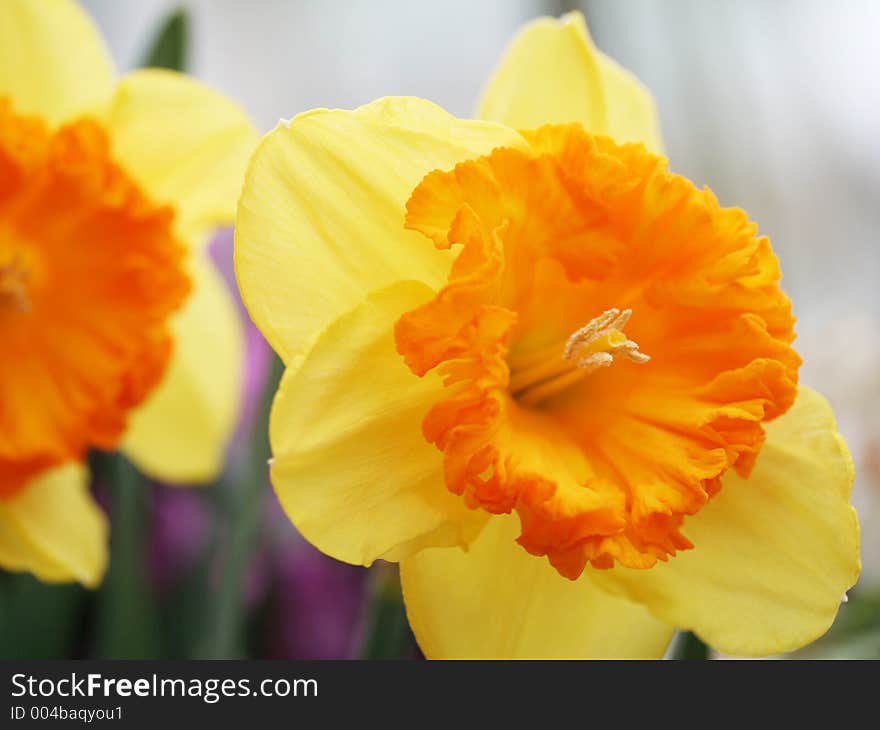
602,440
90,272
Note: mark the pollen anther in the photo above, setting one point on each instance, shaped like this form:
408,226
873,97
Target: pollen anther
13,285
552,370
601,341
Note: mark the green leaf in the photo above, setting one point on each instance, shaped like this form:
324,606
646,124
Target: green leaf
169,49
40,621
126,613
243,491
688,646
387,634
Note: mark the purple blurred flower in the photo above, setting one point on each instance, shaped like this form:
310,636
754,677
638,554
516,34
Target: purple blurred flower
180,532
318,603
318,609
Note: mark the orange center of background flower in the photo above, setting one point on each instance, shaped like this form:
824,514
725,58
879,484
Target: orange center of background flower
89,275
611,340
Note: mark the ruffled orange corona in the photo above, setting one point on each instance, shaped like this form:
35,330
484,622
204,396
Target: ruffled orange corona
604,316
90,272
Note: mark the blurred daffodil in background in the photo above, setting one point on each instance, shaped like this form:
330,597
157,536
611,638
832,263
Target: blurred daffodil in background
552,379
116,331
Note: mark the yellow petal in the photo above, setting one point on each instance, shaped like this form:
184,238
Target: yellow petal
54,529
774,554
180,433
185,144
351,467
53,62
552,73
320,222
496,601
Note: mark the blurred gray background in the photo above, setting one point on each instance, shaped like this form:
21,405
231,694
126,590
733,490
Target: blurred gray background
774,105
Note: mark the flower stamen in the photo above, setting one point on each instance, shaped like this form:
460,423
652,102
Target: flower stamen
601,342
595,345
13,286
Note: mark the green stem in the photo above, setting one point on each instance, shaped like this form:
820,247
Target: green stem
40,621
689,647
169,47
386,633
127,621
245,490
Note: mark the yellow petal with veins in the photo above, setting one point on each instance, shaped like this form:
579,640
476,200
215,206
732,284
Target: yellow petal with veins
54,529
53,62
181,432
320,221
187,145
553,73
773,554
495,601
351,467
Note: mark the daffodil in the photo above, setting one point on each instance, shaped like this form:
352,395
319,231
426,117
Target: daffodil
550,377
115,330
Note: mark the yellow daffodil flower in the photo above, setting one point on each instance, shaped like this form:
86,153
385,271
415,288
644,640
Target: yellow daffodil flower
115,329
551,378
